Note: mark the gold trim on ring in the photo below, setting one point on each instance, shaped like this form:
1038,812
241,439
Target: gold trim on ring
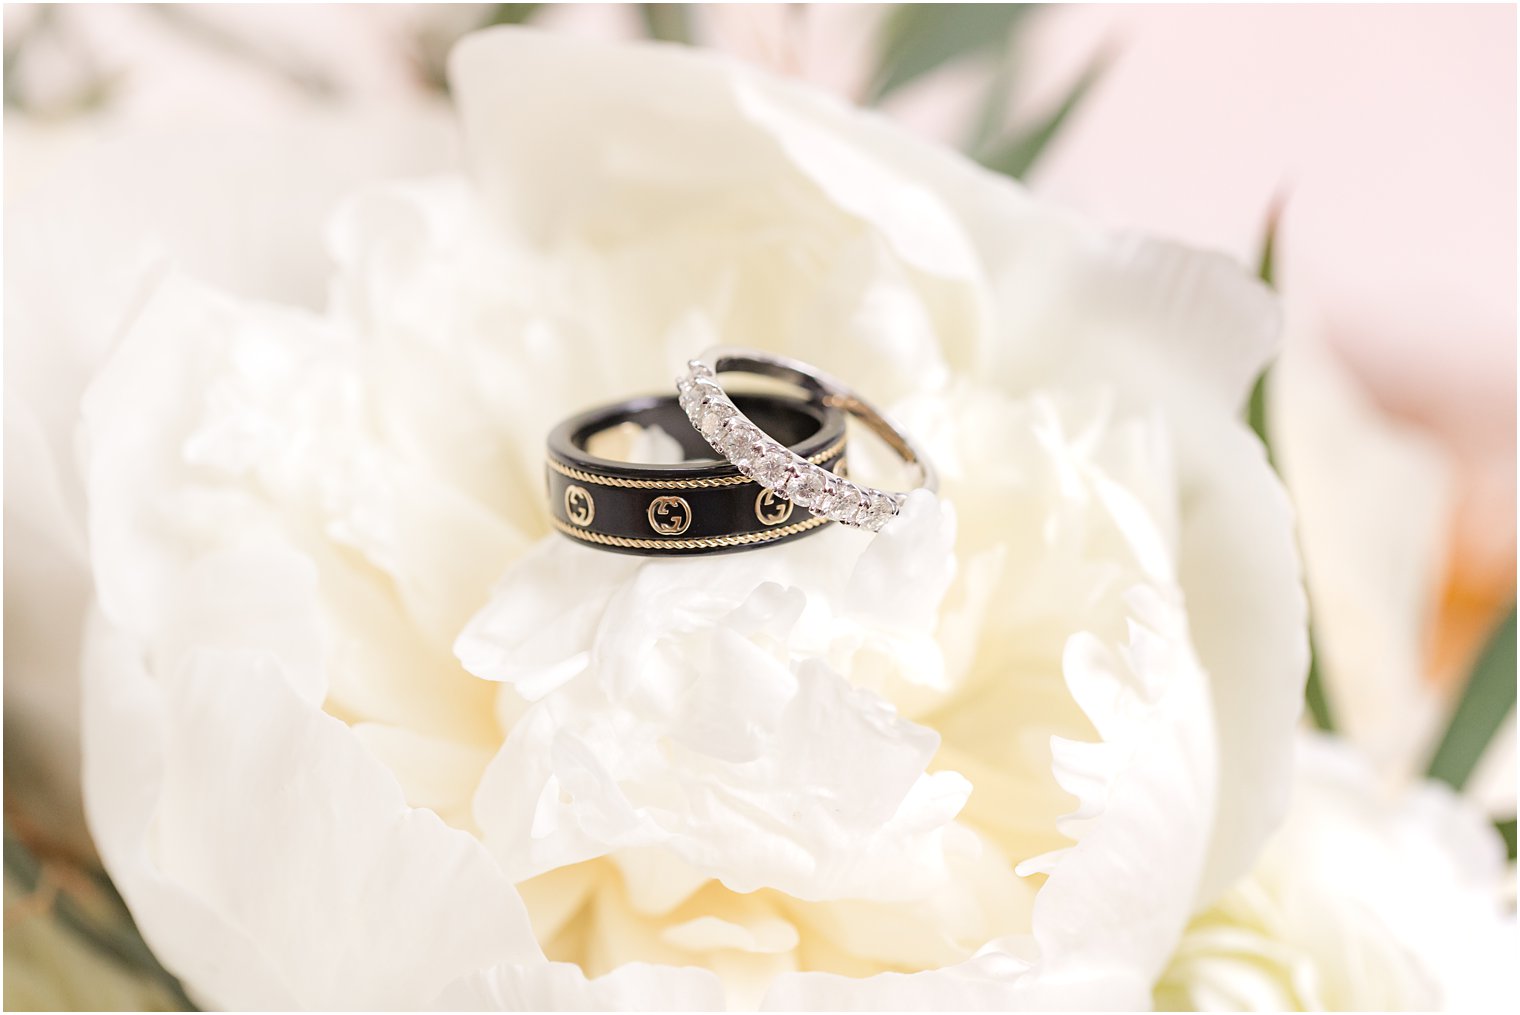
703,483
696,543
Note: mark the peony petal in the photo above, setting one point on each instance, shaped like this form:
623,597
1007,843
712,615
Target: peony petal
749,149
1374,508
990,982
391,902
1146,796
254,596
535,630
436,773
561,986
1248,616
124,770
690,691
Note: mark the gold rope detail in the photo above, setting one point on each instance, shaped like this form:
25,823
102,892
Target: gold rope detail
703,483
700,543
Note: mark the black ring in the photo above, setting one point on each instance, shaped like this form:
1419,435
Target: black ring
698,506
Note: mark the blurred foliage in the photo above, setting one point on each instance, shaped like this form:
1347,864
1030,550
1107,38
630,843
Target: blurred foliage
916,39
274,59
1016,155
993,114
93,89
431,46
70,943
509,14
1487,700
668,22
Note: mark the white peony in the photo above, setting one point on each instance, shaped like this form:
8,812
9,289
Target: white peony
240,203
359,733
1369,898
1374,505
1382,890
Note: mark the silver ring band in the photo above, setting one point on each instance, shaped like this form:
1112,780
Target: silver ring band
764,460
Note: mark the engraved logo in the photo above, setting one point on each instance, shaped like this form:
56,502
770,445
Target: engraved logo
669,516
579,507
771,509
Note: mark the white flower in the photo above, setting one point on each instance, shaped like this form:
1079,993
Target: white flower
1368,899
1382,891
1374,507
112,214
360,734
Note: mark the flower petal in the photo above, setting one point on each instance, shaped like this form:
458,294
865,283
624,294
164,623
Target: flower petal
265,811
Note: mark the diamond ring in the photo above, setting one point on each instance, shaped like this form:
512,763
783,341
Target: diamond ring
734,436
690,507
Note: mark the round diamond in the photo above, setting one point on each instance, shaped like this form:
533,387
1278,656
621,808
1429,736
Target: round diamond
854,505
881,510
807,487
743,458
737,438
770,467
713,416
737,432
788,485
828,500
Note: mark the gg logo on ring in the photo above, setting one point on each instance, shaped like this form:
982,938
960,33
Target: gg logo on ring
669,516
771,509
579,507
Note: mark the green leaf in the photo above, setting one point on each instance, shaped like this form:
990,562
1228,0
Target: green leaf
87,906
1486,700
1314,688
1018,154
1266,270
432,43
919,38
1506,830
990,118
510,14
65,52
668,22
1266,264
1315,698
1256,413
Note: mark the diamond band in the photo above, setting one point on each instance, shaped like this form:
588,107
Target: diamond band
715,416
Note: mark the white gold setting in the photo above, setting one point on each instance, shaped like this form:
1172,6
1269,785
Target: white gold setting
767,462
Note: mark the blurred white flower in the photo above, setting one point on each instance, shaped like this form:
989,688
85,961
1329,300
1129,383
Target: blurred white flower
1374,504
1376,517
237,203
1383,891
997,756
1367,899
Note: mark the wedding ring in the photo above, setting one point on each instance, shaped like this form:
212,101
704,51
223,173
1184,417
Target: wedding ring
697,506
723,423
